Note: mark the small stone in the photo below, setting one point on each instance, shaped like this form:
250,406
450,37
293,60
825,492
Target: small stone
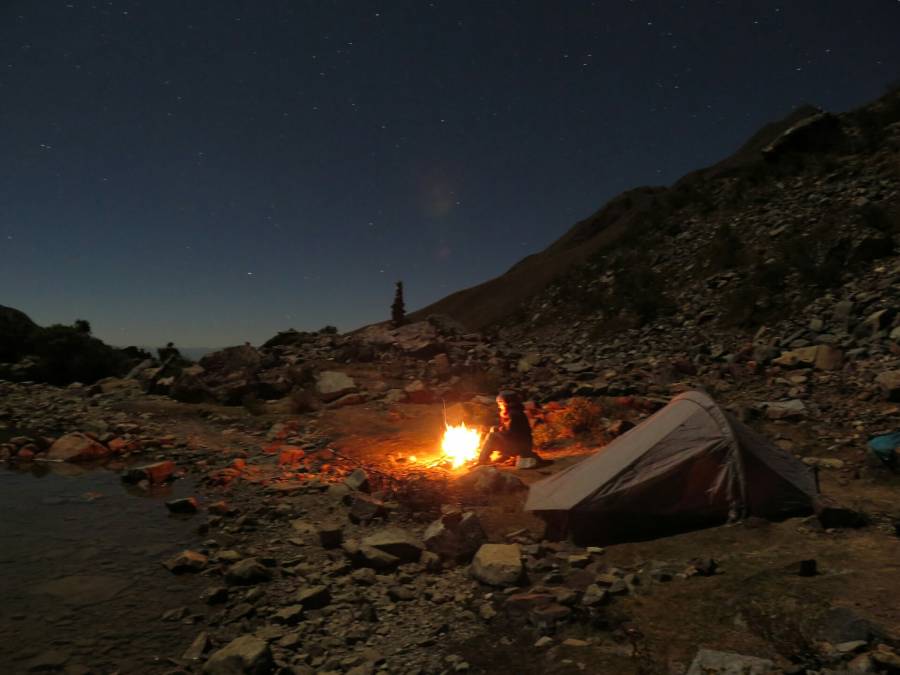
401,593
185,505
198,647
573,642
544,641
594,596
186,561
155,474
247,571
487,611
314,597
331,535
246,654
711,661
288,615
215,595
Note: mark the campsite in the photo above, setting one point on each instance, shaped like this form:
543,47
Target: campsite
450,338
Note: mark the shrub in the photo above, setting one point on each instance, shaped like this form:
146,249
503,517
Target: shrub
564,421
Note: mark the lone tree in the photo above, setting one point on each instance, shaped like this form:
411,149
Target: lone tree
398,311
82,326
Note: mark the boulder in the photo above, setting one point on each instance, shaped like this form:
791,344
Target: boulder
498,564
529,361
489,479
77,447
821,357
777,410
332,385
364,509
419,339
396,542
418,392
246,655
247,571
186,561
231,360
711,662
358,480
455,536
368,556
889,382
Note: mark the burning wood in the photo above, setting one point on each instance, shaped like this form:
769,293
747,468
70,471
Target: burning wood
461,444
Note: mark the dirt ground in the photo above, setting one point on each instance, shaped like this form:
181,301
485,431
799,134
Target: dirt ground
755,604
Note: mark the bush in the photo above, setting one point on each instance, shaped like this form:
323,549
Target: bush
65,354
559,422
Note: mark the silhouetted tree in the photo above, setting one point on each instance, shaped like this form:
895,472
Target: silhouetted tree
82,326
398,310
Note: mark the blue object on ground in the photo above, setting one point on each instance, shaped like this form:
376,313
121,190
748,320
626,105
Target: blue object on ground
883,446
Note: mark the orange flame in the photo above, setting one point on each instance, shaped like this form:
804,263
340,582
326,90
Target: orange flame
461,444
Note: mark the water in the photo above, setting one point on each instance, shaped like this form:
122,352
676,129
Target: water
80,574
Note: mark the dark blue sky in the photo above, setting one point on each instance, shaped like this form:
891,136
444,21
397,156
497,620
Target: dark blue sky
212,172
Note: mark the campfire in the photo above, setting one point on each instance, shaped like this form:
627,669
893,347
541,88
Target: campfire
461,444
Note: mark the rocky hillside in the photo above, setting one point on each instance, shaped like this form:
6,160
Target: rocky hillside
806,205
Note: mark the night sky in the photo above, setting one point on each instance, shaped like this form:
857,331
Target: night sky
211,172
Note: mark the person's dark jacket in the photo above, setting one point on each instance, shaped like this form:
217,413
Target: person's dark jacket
516,432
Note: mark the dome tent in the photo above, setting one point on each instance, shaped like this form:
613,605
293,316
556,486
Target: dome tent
690,465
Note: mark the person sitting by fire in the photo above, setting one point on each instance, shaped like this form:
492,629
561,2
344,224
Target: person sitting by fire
513,437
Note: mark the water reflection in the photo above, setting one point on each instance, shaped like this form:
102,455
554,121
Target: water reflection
80,557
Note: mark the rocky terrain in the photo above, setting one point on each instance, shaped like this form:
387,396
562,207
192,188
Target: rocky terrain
329,537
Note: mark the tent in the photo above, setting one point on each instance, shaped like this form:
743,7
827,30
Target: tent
690,465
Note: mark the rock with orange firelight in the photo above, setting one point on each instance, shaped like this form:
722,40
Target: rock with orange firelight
498,564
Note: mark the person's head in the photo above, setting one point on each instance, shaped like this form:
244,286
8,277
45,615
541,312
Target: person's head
508,399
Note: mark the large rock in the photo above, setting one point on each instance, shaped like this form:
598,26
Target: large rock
77,447
396,542
246,655
332,384
489,479
247,571
889,381
711,662
821,357
498,564
777,410
455,536
418,392
232,359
